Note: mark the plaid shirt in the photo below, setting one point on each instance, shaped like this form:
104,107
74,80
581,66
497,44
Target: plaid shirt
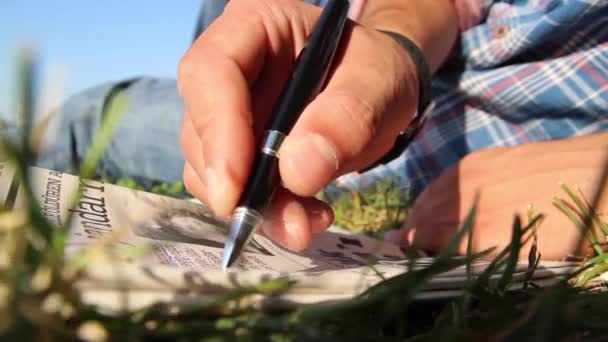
530,70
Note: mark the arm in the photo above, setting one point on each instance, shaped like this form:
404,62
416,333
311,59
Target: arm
231,76
578,162
433,25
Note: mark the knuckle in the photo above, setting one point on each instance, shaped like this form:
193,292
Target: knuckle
185,70
193,184
470,165
203,125
186,177
361,117
184,139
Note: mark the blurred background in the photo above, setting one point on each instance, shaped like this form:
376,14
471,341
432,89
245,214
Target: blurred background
85,43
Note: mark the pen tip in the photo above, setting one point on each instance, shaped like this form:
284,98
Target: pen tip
243,226
228,258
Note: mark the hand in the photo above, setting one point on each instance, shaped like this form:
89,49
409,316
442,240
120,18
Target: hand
508,180
232,76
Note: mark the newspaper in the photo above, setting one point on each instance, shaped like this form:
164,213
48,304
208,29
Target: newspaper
185,245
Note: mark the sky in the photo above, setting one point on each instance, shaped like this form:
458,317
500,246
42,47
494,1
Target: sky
84,43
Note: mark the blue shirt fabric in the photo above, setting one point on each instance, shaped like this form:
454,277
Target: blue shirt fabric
532,70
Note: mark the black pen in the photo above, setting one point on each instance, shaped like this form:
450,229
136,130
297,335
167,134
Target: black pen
310,71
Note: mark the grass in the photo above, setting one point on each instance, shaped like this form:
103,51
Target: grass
38,299
377,209
172,189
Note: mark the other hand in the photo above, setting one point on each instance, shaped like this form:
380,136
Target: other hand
508,180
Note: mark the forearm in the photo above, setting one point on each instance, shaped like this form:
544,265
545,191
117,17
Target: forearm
433,25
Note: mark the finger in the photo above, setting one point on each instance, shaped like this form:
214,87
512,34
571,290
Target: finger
291,221
353,120
425,229
320,214
268,87
192,147
397,237
440,212
197,151
193,183
431,239
284,44
214,80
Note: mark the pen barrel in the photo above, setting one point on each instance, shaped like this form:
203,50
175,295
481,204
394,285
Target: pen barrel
311,67
307,79
263,183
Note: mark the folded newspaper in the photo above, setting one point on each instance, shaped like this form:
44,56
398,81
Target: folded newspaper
185,243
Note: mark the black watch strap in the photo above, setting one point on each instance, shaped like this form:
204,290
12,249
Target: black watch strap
424,100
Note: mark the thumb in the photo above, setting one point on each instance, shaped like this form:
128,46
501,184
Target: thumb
356,118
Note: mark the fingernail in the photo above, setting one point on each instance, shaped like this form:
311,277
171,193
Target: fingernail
400,237
288,226
409,237
320,219
220,190
285,233
394,236
293,220
294,241
311,158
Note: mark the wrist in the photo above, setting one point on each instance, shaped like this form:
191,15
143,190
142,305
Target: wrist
418,60
432,25
415,57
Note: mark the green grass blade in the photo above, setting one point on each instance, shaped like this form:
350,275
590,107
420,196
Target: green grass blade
584,209
26,102
577,201
577,221
514,248
452,247
603,225
598,259
591,273
483,281
469,269
21,156
116,108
